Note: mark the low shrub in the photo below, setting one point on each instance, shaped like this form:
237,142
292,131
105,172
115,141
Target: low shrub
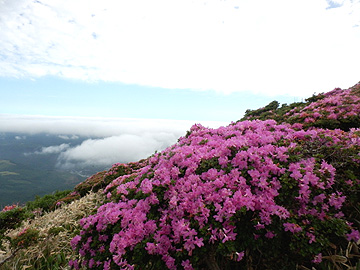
25,238
46,202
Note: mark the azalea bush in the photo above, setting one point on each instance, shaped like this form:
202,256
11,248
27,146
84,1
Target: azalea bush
10,218
337,109
224,198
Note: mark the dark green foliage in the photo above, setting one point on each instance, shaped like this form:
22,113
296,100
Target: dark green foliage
273,111
46,202
10,220
314,98
25,238
262,112
55,230
207,164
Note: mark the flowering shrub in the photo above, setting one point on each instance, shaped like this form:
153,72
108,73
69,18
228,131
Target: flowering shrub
336,109
102,179
10,218
9,207
223,198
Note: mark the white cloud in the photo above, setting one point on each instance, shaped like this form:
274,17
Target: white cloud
257,45
68,137
54,149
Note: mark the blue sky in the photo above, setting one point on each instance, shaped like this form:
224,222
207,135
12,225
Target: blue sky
64,97
151,69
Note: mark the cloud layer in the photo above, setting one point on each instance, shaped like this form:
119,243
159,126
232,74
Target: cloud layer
110,150
110,140
264,46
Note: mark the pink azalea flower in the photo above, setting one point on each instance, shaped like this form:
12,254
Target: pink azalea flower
354,235
317,259
239,255
74,242
270,234
294,228
187,265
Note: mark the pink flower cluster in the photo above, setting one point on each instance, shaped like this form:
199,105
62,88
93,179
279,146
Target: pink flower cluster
337,104
9,207
195,193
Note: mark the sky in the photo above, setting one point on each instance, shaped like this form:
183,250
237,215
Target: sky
139,69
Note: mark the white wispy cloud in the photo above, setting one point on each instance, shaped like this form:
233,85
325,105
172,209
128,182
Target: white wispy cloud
54,149
67,137
271,47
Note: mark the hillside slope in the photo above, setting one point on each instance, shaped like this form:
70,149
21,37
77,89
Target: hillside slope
339,108
218,199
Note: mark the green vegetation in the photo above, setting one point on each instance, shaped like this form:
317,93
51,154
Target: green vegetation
12,218
273,111
46,202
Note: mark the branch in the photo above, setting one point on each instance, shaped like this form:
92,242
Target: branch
211,261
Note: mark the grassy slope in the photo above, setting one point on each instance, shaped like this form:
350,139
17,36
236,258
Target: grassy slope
56,228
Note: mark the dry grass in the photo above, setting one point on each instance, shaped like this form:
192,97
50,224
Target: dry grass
56,229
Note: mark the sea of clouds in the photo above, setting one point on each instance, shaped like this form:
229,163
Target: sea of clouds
107,140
